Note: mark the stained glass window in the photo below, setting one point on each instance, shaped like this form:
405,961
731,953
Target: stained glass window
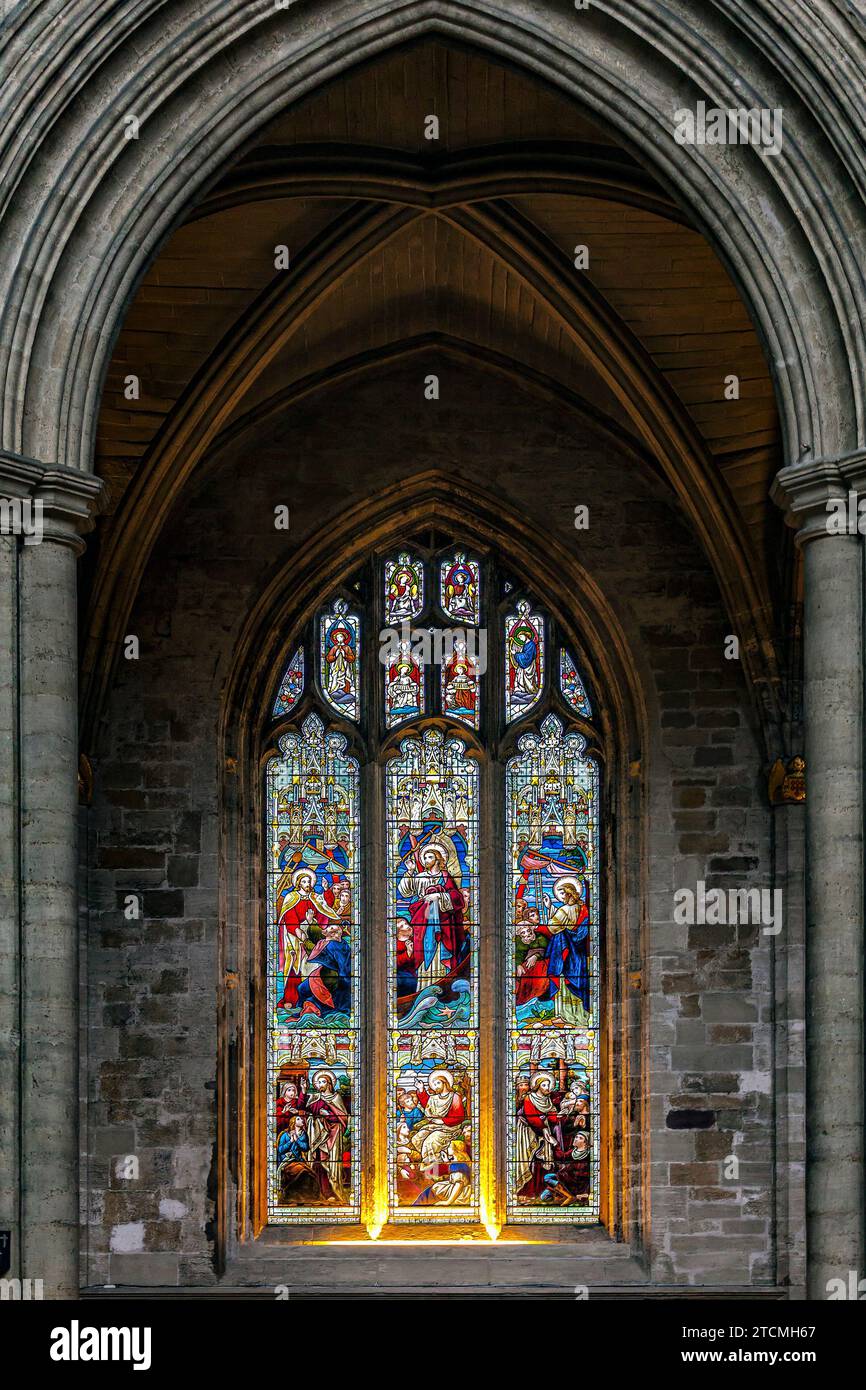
460,589
313,909
340,653
291,686
551,906
420,839
404,589
432,873
524,661
572,686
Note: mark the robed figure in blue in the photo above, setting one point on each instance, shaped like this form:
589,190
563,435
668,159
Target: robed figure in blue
567,955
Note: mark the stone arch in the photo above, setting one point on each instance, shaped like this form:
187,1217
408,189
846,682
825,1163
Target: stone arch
436,498
83,212
91,207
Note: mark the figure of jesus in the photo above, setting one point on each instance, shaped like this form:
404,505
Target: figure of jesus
436,910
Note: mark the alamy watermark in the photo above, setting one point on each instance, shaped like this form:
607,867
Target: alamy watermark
760,126
22,516
18,1290
846,516
853,1288
742,906
434,646
77,1343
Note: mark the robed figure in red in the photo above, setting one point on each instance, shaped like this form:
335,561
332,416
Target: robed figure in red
440,942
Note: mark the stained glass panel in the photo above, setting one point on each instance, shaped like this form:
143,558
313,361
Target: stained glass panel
404,686
572,686
313,899
524,661
460,684
460,589
404,588
552,903
291,686
340,660
432,846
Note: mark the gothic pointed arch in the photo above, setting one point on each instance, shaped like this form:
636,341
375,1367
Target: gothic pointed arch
768,220
460,760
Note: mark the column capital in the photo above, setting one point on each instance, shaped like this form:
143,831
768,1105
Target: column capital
853,470
803,491
46,501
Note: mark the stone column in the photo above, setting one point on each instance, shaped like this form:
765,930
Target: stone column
46,510
833,641
9,924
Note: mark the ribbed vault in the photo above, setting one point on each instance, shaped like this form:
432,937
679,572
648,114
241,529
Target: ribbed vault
404,245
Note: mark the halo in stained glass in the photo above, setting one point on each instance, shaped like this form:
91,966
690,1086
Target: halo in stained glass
572,686
340,651
524,661
460,588
313,987
551,967
404,588
291,686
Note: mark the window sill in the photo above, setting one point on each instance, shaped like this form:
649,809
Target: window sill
589,1236
454,1262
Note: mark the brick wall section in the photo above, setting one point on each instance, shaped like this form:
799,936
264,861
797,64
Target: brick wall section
153,824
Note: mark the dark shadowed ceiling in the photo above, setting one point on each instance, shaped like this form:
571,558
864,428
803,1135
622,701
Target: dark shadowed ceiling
469,241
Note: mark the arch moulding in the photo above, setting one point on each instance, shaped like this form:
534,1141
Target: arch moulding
86,209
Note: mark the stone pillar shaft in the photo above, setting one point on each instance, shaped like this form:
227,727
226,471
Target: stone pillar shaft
44,511
9,899
818,498
833,635
49,969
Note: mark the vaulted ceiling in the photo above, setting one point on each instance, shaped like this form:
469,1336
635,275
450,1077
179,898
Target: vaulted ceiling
468,241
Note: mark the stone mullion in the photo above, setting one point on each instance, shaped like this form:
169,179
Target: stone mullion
374,1038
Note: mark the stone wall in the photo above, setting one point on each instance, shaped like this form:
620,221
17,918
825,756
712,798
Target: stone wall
151,983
